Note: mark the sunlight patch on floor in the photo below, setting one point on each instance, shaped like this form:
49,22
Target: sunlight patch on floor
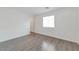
46,46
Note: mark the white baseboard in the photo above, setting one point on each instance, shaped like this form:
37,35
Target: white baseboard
59,37
14,37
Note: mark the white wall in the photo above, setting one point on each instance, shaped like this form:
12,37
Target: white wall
78,24
32,27
65,24
13,24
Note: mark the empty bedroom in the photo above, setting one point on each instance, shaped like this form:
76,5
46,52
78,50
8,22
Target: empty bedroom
39,29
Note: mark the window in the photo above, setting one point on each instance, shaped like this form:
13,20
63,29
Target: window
48,22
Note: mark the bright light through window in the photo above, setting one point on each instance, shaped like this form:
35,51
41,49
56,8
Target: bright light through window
48,22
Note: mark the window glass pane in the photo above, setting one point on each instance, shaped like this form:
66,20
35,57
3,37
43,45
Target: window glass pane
48,21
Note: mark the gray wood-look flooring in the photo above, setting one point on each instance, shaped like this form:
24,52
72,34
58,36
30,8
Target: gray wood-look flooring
38,42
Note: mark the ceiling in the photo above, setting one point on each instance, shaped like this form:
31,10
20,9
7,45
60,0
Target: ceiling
35,10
